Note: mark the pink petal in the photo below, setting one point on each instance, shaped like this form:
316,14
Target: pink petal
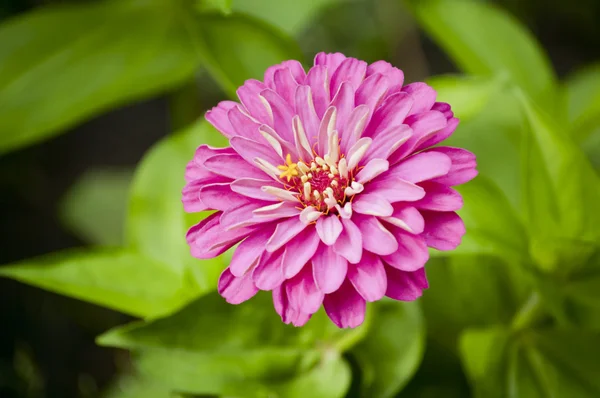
327,125
285,231
252,188
392,112
299,251
423,96
388,141
285,85
305,109
276,211
368,277
232,166
462,168
443,231
318,80
439,197
249,150
412,253
329,229
207,239
329,269
440,136
393,74
217,116
372,169
407,218
239,216
372,90
395,189
296,69
345,307
191,197
405,286
288,314
344,104
354,127
302,292
331,61
350,70
268,274
372,204
376,238
236,290
282,114
220,197
243,124
249,95
422,166
195,169
248,253
349,244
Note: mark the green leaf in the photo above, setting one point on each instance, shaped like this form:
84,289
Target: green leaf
62,65
581,93
288,15
121,280
223,6
492,225
94,207
484,40
471,291
212,347
392,351
563,188
156,222
468,95
544,363
130,386
237,48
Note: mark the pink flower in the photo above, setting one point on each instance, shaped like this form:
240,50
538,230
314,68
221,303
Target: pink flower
331,187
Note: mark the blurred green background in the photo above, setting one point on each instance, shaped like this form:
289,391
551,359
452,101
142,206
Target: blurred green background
99,108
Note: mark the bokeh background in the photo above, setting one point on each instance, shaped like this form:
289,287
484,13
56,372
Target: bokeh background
68,188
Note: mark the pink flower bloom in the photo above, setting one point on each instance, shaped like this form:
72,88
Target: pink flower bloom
331,187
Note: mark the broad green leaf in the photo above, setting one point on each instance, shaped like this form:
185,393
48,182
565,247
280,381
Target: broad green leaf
468,95
471,291
581,94
156,222
392,351
121,280
61,65
544,363
484,40
223,6
94,207
130,386
237,48
492,225
494,136
559,168
288,15
211,346
330,378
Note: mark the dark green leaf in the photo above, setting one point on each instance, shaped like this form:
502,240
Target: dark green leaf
124,281
582,101
61,65
392,351
484,40
156,222
94,207
237,48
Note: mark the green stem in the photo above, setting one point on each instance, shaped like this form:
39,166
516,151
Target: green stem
529,313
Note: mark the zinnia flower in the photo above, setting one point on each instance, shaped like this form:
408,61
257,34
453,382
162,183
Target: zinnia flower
331,187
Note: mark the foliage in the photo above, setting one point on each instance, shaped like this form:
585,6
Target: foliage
518,303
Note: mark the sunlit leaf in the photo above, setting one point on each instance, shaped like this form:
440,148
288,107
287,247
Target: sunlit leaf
61,65
94,207
156,222
581,93
484,40
392,351
121,280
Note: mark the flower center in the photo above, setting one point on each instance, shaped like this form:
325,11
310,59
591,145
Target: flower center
321,183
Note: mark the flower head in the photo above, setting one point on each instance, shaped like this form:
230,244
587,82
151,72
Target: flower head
331,187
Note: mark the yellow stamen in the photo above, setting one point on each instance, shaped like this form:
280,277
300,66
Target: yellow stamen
288,169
